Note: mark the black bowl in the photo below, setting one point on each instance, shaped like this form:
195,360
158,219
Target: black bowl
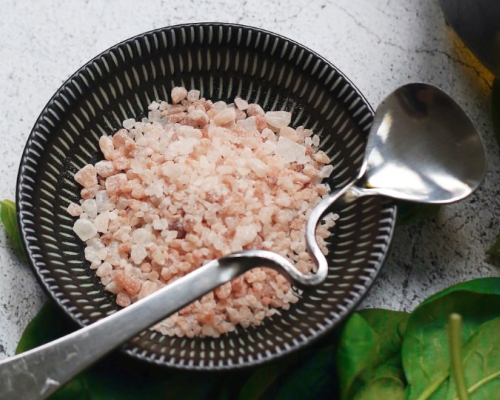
222,61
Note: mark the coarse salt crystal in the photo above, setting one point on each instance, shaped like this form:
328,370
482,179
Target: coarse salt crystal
85,229
278,119
240,103
101,222
154,106
90,208
288,150
128,123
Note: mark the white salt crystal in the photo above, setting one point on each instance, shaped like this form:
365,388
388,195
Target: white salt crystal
141,236
90,208
154,106
84,229
90,254
101,199
240,103
138,253
101,222
288,150
258,167
193,95
247,124
325,171
128,123
278,119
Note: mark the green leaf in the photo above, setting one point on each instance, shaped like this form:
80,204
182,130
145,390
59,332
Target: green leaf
370,347
358,351
383,389
48,325
494,250
409,212
495,109
9,221
425,352
481,365
313,379
480,286
264,377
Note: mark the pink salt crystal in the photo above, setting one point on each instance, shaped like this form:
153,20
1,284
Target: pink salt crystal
197,118
178,94
123,299
104,270
115,183
240,103
225,116
321,157
105,168
87,176
131,285
147,288
193,95
254,110
106,146
90,193
74,210
289,133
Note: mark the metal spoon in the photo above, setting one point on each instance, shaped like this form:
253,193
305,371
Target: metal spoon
422,147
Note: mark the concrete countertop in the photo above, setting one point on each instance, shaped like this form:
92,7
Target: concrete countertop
378,44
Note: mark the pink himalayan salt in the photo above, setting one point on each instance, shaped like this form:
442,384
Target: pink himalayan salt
178,94
162,226
87,176
74,210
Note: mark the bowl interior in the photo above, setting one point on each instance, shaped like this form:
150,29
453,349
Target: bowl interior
222,61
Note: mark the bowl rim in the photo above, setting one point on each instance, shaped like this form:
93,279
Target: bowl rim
51,295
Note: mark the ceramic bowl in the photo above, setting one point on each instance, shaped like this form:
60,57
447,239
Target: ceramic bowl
222,61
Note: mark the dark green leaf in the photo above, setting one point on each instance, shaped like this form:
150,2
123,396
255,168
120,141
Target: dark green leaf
425,353
263,377
409,212
494,250
383,389
358,351
8,217
313,379
495,109
49,324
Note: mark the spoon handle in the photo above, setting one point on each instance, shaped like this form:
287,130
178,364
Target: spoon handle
39,372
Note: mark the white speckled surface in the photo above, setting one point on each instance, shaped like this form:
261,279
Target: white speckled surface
378,44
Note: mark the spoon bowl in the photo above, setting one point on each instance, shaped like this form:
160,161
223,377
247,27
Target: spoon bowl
422,147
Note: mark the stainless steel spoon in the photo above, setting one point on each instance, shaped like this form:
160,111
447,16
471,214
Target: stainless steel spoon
422,147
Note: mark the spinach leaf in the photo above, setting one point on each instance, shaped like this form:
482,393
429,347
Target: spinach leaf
370,347
481,365
358,351
494,250
8,217
313,379
264,377
382,388
409,212
425,351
